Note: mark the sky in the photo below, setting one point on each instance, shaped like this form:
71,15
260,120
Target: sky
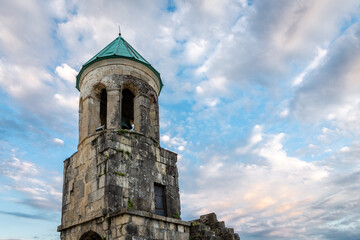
261,101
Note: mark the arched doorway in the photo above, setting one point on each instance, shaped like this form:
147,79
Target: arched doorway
90,235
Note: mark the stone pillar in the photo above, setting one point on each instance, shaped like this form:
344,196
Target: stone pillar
141,114
81,126
113,109
154,121
84,129
93,115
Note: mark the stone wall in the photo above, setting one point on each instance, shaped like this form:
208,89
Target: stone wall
208,227
129,224
117,170
146,108
137,225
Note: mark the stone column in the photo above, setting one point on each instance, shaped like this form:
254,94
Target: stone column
93,115
141,114
113,120
154,121
84,129
81,102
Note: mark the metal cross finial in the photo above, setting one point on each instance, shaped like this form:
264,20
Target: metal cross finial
119,31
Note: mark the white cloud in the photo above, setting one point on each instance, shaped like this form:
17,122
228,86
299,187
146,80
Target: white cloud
345,149
195,49
176,142
313,64
269,197
21,43
70,102
39,189
271,35
58,141
255,138
165,138
331,91
67,73
284,113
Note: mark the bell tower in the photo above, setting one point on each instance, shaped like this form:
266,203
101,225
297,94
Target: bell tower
120,184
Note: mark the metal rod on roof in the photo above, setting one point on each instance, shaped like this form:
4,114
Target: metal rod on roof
119,31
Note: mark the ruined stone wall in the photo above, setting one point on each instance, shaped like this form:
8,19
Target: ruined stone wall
209,228
116,170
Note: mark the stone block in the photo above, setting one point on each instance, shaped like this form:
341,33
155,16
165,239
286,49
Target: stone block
138,220
102,181
120,220
208,218
172,226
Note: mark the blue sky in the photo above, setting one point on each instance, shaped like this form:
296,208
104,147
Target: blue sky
261,101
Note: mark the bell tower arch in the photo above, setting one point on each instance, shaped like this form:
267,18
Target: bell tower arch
120,184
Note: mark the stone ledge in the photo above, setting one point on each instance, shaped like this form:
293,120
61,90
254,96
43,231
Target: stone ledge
94,135
88,219
148,215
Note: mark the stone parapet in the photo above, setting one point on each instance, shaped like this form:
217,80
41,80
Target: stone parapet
140,225
130,224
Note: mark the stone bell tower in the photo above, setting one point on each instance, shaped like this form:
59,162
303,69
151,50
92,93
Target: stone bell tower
120,184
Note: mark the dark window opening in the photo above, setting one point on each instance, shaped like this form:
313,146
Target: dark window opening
90,236
160,200
103,107
127,109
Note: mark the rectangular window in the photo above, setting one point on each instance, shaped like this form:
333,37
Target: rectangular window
160,201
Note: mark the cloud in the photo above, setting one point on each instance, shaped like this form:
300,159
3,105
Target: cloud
174,142
270,34
38,189
71,102
313,64
255,138
58,141
275,196
330,92
23,44
24,215
67,73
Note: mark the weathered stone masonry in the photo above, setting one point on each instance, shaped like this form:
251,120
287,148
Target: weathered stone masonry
121,184
111,179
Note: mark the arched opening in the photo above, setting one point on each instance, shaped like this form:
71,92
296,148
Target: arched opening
103,107
127,109
90,235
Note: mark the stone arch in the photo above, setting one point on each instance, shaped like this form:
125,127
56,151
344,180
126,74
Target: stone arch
103,107
90,235
131,86
100,106
127,108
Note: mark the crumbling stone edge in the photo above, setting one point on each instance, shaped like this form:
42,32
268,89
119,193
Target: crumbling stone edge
209,228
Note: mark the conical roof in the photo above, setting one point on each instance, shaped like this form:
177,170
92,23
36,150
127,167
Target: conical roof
119,48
